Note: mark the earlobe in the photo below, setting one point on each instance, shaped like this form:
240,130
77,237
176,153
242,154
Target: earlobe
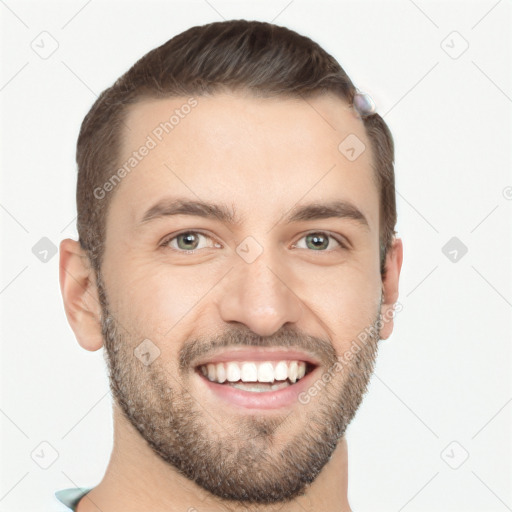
390,283
80,295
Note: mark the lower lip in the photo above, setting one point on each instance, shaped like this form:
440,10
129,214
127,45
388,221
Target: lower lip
278,399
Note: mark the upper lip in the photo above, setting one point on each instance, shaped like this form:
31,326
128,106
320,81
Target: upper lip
258,354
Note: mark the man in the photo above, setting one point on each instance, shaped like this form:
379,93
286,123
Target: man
238,261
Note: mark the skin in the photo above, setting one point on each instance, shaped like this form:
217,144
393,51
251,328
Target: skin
262,157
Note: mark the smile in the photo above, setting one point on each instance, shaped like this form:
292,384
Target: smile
257,379
241,374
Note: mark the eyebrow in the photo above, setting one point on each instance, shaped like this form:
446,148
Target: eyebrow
169,207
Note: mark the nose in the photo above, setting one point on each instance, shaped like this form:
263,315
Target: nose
259,295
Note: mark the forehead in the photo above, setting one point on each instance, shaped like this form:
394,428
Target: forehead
267,153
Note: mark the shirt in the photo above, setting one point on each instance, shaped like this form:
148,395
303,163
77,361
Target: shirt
70,497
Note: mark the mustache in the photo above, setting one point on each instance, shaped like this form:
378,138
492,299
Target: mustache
286,337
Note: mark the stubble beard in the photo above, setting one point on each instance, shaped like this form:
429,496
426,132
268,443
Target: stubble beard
244,463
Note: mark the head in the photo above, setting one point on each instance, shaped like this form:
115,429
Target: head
220,220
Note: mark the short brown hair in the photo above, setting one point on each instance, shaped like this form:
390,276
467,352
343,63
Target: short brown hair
265,59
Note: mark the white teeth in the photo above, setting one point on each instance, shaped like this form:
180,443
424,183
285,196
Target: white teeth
281,371
254,371
293,370
221,373
256,387
212,373
232,372
302,370
249,372
266,372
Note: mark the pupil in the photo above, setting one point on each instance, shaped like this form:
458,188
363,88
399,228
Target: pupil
318,241
188,238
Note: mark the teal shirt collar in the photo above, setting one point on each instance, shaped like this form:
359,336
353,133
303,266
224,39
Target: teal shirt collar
70,497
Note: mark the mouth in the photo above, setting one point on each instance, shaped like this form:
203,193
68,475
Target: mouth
257,379
256,376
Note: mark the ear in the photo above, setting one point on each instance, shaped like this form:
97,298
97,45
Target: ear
390,286
80,294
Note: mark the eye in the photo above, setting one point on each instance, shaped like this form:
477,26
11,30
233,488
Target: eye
320,241
188,241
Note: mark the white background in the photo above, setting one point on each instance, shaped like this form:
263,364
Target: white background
443,376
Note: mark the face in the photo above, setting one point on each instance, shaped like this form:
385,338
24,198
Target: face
241,269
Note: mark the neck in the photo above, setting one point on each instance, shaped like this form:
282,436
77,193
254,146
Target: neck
137,479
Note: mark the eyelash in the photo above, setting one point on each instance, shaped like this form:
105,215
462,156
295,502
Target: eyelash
167,240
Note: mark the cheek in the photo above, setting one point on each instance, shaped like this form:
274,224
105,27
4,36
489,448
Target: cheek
346,300
158,300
